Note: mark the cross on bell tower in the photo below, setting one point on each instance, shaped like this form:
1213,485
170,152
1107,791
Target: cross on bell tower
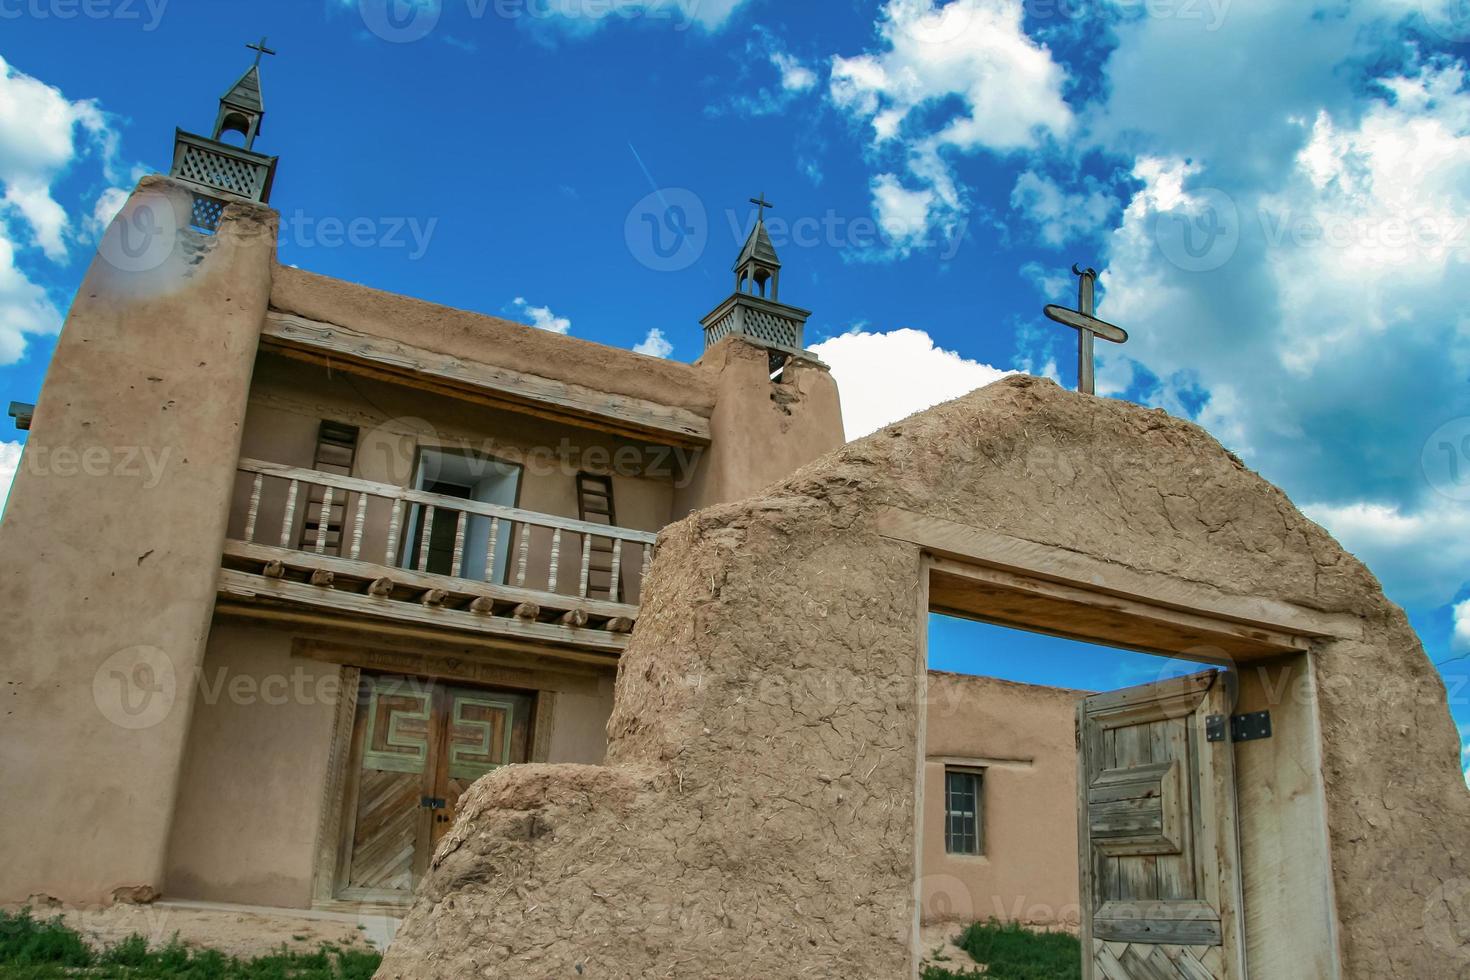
758,265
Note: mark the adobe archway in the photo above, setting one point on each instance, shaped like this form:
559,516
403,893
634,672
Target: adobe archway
755,817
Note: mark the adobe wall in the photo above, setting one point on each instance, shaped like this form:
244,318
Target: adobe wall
755,818
761,430
1021,735
112,536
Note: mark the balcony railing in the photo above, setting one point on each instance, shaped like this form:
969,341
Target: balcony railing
382,542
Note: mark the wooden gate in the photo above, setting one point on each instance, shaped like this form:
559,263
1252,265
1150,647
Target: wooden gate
1157,837
417,746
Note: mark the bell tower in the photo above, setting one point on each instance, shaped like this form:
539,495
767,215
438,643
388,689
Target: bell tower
221,171
754,310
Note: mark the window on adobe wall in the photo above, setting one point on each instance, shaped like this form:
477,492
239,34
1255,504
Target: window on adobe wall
964,831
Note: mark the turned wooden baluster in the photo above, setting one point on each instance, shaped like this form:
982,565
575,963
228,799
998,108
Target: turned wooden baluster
459,528
357,526
555,559
525,552
251,517
617,569
490,549
323,517
424,538
586,564
395,527
289,520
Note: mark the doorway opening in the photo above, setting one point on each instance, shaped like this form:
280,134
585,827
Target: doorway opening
1086,767
460,475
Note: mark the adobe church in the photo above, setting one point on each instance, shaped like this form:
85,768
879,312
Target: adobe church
524,638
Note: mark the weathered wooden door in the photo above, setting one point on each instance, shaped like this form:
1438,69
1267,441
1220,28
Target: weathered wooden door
417,746
1157,838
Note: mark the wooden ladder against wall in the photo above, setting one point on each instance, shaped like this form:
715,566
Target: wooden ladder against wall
336,451
595,506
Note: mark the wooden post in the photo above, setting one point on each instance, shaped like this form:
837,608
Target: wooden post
289,520
586,564
251,517
357,526
525,551
460,524
555,560
323,515
617,570
490,550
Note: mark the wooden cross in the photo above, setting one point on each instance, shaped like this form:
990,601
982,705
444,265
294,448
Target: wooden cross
762,203
1087,327
260,50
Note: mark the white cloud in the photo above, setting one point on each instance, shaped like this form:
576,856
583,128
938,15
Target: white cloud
795,77
24,307
584,16
903,214
1462,625
41,133
654,345
970,53
750,97
9,463
1060,216
109,203
890,376
541,317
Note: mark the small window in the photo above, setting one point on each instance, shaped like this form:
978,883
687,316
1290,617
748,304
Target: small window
962,823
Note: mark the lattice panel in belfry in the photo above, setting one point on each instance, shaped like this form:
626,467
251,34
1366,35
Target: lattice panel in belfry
772,329
218,170
207,211
720,329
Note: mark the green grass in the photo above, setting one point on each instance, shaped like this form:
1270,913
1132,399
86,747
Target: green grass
1011,952
35,949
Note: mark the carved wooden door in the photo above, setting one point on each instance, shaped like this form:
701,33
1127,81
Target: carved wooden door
418,745
1157,837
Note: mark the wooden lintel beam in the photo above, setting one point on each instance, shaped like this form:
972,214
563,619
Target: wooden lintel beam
488,384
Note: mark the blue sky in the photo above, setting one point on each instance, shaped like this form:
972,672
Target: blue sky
1277,194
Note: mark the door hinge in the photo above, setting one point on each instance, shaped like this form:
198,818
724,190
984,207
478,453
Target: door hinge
1243,728
432,803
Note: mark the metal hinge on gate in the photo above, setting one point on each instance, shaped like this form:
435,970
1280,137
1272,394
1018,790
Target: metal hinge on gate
1243,728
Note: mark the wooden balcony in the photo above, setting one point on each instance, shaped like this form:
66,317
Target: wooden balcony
313,547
